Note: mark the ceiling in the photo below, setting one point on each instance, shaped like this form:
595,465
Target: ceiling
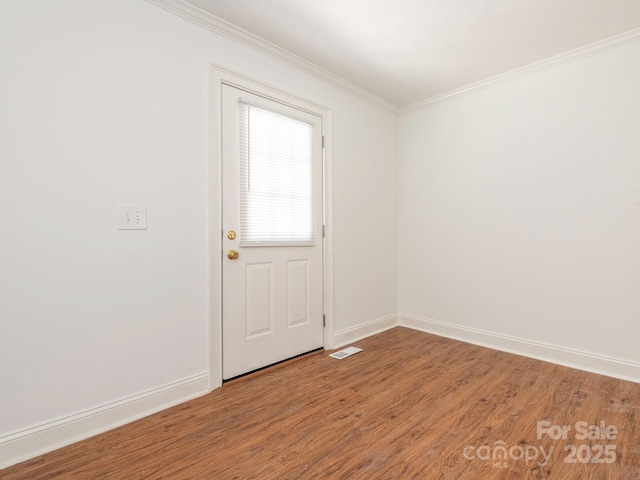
406,51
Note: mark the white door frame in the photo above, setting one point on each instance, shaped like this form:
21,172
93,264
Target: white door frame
218,76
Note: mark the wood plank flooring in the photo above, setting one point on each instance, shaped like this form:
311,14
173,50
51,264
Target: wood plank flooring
410,406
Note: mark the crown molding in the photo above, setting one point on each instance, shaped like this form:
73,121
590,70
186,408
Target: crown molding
217,25
617,41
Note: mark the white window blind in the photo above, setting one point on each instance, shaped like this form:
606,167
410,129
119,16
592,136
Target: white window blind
276,179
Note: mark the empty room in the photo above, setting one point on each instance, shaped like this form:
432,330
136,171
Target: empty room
295,239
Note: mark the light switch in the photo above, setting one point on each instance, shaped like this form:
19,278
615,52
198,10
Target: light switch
132,217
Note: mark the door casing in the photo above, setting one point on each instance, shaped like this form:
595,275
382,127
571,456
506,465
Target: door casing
218,77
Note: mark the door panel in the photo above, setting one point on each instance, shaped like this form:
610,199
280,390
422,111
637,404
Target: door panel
298,292
272,200
259,299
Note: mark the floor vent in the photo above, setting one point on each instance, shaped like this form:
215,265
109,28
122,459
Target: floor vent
347,352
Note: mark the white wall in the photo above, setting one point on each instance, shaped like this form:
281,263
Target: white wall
519,212
103,103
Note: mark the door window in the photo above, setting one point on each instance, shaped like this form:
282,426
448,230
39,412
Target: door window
276,179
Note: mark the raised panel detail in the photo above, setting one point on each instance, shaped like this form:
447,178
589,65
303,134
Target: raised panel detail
298,292
259,299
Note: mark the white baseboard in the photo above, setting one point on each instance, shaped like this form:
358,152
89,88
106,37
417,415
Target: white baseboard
25,444
364,330
603,365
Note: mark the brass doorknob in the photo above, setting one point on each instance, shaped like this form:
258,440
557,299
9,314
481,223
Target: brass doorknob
232,254
231,235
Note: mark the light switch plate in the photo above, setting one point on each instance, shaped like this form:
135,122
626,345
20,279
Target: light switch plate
132,217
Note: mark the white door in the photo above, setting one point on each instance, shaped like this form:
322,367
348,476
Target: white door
272,232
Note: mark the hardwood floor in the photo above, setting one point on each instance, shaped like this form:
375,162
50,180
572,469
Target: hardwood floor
410,406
